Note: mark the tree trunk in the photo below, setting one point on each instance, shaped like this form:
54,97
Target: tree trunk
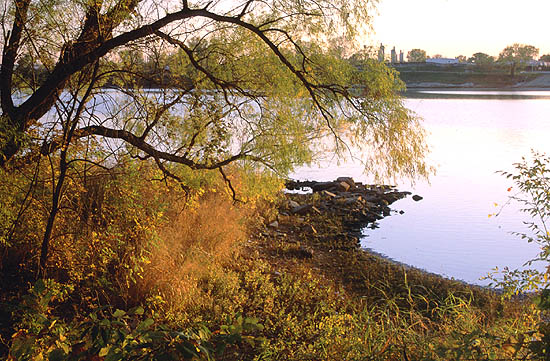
53,213
63,166
8,150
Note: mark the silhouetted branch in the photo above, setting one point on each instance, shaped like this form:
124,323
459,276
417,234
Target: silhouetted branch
228,182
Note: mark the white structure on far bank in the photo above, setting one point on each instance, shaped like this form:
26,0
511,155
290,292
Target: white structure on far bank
442,61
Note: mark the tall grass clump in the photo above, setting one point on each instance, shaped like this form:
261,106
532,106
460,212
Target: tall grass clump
196,240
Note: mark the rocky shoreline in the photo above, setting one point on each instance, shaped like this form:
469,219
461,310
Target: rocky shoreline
316,217
357,204
319,225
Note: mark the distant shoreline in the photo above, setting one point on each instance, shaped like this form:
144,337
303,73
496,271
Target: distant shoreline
475,81
476,93
443,86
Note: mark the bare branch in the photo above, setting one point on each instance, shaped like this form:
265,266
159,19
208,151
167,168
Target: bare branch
245,9
219,82
160,112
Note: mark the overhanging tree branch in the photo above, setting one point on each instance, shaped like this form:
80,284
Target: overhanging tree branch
148,149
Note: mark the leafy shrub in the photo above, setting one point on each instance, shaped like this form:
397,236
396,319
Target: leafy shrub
114,334
532,180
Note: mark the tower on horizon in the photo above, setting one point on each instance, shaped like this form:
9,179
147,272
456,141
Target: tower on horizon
393,56
381,54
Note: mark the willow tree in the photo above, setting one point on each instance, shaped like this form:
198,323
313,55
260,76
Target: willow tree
199,85
272,54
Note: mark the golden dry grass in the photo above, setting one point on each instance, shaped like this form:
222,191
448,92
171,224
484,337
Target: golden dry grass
193,244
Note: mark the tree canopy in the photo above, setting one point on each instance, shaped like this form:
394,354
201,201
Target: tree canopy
235,81
517,54
481,59
416,56
462,59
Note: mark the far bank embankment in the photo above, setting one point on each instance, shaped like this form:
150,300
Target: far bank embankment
461,80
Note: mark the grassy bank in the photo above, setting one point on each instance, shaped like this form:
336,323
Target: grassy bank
144,269
472,79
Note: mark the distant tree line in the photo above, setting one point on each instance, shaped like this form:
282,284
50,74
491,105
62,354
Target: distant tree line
512,58
165,69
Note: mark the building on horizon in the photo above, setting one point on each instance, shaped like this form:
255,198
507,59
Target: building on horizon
442,61
381,54
393,56
401,56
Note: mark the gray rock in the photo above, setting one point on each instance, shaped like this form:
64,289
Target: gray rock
302,209
274,224
342,186
370,205
352,200
293,204
370,198
321,186
417,198
347,180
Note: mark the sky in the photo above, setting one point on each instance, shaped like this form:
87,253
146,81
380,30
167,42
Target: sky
461,27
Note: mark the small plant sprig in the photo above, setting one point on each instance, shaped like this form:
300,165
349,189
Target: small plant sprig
532,180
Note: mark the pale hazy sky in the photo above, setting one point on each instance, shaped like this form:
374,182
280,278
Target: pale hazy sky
462,27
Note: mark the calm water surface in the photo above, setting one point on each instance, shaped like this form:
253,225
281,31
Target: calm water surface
472,135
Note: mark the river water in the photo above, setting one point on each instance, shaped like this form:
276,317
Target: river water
472,135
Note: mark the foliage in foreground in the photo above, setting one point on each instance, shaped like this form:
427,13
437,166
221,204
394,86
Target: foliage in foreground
112,334
163,273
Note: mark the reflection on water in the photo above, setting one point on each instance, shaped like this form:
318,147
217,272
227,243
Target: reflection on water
477,94
449,231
